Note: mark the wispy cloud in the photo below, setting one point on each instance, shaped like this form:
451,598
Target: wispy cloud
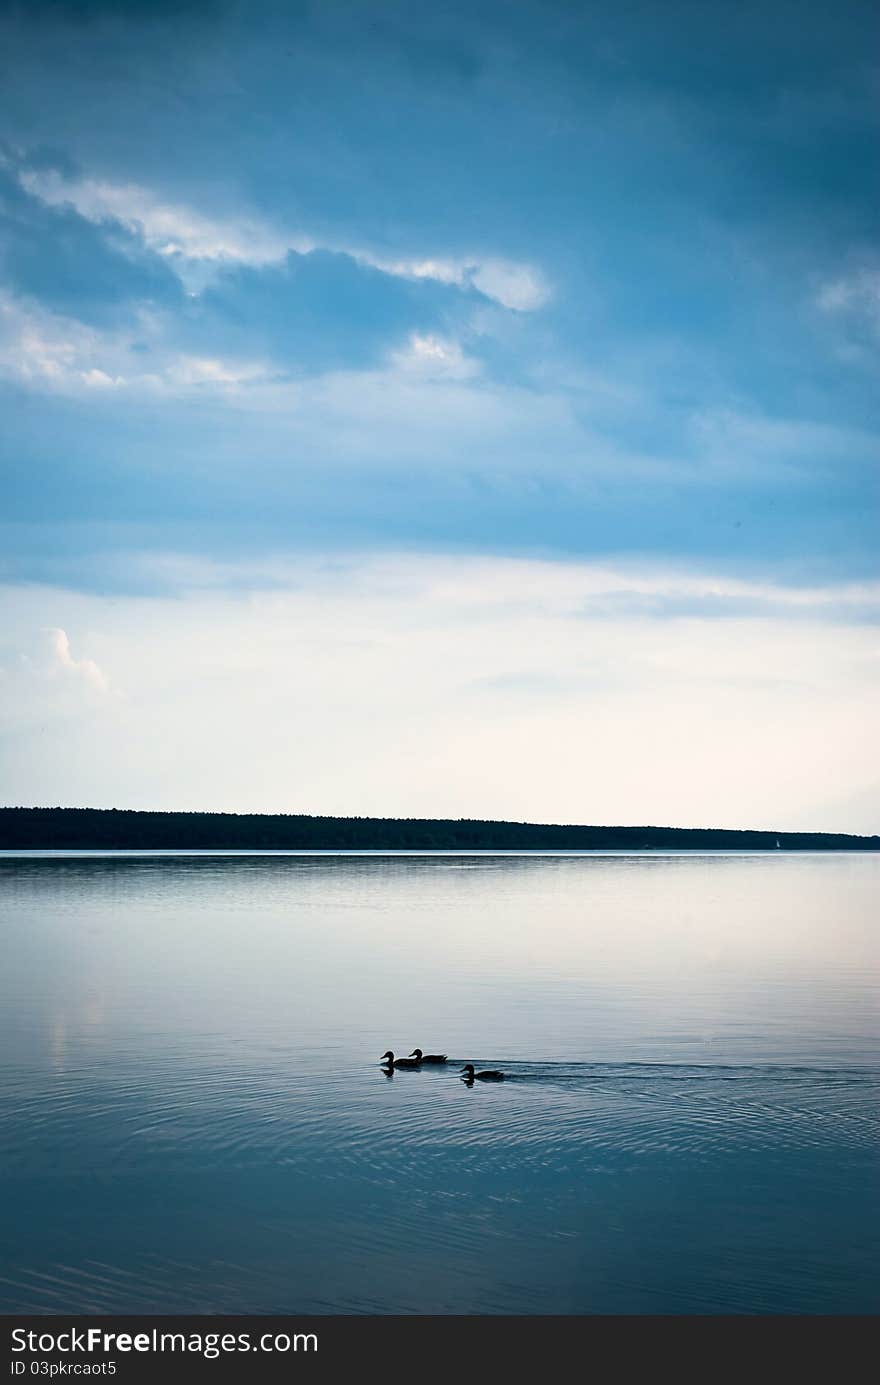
433,356
857,291
50,351
517,286
187,237
167,229
745,443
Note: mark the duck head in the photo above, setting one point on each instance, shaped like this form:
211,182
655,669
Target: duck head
416,1053
387,1057
468,1070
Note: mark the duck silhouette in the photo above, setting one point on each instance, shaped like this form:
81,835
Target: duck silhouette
427,1057
468,1075
393,1062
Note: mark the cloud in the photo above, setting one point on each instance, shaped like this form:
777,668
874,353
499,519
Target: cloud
431,356
512,285
187,238
515,286
857,292
62,661
234,454
60,354
314,323
97,273
205,370
40,347
749,442
167,230
43,683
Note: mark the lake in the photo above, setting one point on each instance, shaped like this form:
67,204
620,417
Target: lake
194,1118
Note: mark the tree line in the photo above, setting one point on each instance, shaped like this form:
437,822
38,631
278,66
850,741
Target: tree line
119,829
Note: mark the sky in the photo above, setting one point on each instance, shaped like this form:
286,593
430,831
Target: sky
461,409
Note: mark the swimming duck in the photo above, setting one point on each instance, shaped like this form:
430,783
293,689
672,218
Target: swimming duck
393,1062
421,1057
490,1075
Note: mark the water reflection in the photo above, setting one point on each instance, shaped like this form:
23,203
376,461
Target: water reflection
195,1118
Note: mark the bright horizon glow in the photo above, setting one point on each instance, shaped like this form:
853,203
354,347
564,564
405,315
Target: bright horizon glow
527,691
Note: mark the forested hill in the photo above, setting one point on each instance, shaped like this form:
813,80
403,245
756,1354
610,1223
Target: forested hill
111,828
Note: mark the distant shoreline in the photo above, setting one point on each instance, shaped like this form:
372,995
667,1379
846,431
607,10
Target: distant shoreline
108,829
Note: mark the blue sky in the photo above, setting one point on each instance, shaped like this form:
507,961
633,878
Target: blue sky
297,289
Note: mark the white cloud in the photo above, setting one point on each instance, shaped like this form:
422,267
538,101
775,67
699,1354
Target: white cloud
203,370
43,683
517,286
43,349
188,238
169,230
62,661
37,347
433,356
513,285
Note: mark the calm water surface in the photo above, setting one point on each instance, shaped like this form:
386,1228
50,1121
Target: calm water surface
193,1118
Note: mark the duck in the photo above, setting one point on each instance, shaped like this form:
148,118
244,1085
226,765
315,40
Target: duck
490,1074
427,1057
393,1062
